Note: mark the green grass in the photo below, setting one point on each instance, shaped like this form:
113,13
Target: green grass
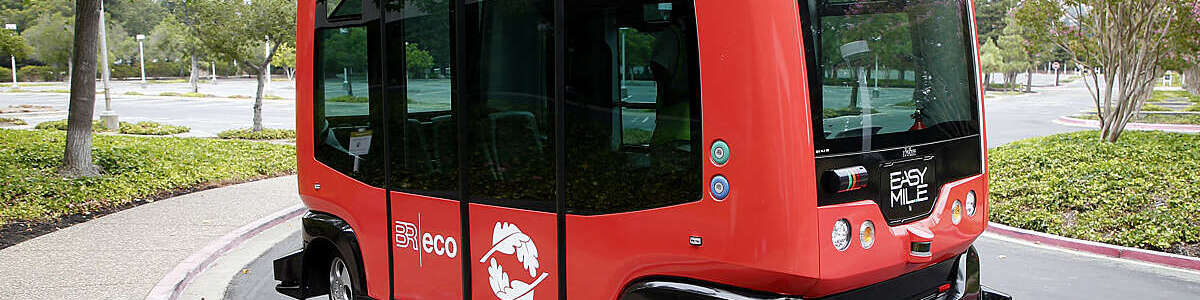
1152,107
139,128
1140,192
170,94
29,84
1159,96
240,97
133,168
12,121
829,113
272,97
168,81
265,134
133,93
1155,118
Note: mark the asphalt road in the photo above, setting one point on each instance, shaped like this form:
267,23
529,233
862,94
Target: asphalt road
1024,270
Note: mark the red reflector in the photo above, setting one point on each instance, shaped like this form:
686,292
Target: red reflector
944,287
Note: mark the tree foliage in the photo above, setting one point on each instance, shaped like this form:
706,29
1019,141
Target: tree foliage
1130,41
12,44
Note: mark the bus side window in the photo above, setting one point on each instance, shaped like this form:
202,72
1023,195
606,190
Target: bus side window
508,81
423,133
632,106
344,117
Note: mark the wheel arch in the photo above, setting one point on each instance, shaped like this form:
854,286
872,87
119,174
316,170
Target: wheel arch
326,235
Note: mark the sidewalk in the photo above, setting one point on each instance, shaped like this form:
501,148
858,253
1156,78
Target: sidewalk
125,254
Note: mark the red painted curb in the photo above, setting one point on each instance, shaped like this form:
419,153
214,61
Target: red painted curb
178,279
1182,128
1154,257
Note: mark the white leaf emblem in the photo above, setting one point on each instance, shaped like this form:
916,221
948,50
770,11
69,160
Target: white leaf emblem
509,239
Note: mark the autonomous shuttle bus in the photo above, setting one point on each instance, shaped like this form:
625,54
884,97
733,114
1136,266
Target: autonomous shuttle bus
638,149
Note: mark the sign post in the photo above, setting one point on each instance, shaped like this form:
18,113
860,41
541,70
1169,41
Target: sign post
1056,73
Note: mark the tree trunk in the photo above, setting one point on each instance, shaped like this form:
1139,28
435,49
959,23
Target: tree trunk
1029,79
1191,79
987,81
258,99
77,157
194,79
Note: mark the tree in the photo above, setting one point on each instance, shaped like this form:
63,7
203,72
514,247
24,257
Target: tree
1030,40
990,18
235,30
12,44
286,58
77,157
51,36
1127,39
183,25
1014,59
419,61
990,58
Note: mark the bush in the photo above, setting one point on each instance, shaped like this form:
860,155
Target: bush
133,93
349,99
196,95
12,121
1152,107
170,94
37,73
152,128
265,134
1139,192
139,128
122,71
133,168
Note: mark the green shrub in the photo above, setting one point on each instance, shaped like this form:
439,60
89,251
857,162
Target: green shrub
133,93
845,111
1139,192
97,126
272,97
265,134
11,121
37,73
139,128
152,128
122,71
349,99
239,97
133,168
1194,107
1160,96
170,94
196,95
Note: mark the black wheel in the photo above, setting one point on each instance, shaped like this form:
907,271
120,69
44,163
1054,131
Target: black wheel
341,281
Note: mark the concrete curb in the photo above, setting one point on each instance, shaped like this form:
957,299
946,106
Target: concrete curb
1154,257
174,282
1181,128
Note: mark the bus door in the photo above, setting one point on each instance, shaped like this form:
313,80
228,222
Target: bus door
509,116
426,225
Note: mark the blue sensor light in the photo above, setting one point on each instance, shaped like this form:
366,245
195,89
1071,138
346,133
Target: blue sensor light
719,187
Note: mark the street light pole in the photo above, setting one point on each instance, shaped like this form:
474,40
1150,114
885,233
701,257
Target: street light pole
142,56
108,116
13,27
266,53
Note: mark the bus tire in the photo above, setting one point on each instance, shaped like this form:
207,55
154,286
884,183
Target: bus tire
331,240
341,280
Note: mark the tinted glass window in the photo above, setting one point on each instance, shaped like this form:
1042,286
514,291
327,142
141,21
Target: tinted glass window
508,89
632,105
422,126
345,108
890,73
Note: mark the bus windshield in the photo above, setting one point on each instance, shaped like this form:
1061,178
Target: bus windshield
886,74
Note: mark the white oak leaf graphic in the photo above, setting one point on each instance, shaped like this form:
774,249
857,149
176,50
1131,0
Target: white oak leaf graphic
508,239
509,290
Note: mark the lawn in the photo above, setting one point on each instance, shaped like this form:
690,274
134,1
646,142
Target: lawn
1143,191
134,168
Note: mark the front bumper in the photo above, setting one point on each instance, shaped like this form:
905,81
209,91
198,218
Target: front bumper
956,278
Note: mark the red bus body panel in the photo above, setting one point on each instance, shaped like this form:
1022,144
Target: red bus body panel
767,235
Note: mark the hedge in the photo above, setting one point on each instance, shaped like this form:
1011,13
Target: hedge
133,168
265,134
1139,192
139,128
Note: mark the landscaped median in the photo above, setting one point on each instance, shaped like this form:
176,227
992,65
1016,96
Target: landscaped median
34,199
1140,192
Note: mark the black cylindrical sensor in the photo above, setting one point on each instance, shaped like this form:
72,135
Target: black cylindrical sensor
845,179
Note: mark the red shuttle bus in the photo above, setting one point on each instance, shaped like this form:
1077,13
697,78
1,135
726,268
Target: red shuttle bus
638,149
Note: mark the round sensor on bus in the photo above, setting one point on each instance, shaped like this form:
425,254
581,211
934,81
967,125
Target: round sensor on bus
719,187
720,152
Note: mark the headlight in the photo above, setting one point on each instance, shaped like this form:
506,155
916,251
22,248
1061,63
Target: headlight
971,203
956,212
866,234
841,234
